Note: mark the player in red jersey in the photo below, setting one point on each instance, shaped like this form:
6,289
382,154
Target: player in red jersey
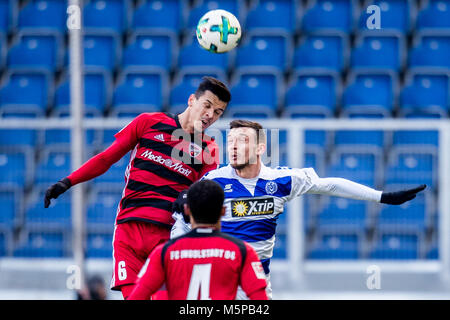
205,263
169,153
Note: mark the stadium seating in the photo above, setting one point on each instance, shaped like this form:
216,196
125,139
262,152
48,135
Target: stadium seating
101,209
268,14
164,15
101,50
396,14
43,14
335,246
325,14
200,7
396,246
343,214
99,245
6,9
430,50
42,245
114,15
435,16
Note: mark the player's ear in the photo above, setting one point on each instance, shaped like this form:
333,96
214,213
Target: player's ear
191,99
187,210
261,149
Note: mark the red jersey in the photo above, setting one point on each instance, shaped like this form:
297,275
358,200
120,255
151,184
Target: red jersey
165,160
202,264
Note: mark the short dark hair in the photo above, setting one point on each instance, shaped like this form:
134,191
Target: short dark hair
205,199
215,86
260,134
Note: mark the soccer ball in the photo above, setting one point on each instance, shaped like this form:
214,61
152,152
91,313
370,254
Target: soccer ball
218,31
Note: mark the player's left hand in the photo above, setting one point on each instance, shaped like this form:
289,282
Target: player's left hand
400,197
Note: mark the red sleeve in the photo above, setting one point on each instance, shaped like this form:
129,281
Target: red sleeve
126,140
152,277
253,279
212,162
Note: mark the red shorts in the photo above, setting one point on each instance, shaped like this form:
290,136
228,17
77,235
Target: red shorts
133,242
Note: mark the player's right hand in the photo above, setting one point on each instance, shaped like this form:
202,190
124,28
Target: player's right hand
402,196
56,190
178,205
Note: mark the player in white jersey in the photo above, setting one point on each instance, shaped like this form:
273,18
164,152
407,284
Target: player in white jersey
256,194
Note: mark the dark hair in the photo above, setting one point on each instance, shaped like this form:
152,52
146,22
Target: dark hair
260,134
205,199
215,86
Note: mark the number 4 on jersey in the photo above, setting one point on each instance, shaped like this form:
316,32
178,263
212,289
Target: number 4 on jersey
200,279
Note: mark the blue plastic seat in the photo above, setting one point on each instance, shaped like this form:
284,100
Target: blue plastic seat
109,15
3,50
321,51
140,92
395,14
99,245
62,137
280,248
370,95
102,209
192,58
101,50
10,202
185,85
269,14
382,51
435,15
157,14
254,95
264,50
425,94
97,94
360,139
115,176
41,51
57,217
16,167
6,15
203,6
311,94
53,166
26,93
325,14
362,168
335,246
343,215
412,215
412,140
23,139
41,245
48,14
430,51
412,168
150,50
396,247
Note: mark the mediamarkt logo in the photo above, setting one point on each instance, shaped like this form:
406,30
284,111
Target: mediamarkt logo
167,162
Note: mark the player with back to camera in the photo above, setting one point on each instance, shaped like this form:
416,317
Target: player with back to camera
204,263
169,153
255,194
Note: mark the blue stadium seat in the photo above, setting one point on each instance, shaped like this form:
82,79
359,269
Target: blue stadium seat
325,14
11,200
412,140
162,15
280,248
36,50
425,94
97,94
3,50
311,95
140,91
335,246
61,138
202,6
395,246
22,139
369,95
115,176
16,167
361,167
192,58
6,15
360,139
382,51
114,15
395,14
269,14
48,14
101,50
254,94
25,92
53,166
343,214
261,49
432,251
435,15
102,208
99,245
5,241
410,216
411,168
430,51
314,158
41,245
150,50
184,85
327,51
56,217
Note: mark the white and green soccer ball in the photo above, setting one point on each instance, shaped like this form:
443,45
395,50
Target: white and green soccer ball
218,31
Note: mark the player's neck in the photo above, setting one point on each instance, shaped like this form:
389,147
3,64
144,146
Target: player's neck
195,225
250,171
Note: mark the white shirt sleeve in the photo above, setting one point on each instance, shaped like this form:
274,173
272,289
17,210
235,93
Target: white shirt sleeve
307,181
180,227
